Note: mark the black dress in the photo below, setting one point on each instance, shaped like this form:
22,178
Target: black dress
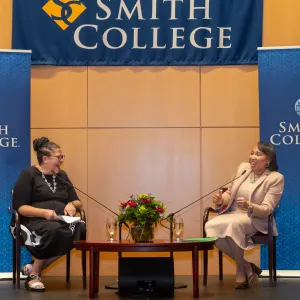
44,238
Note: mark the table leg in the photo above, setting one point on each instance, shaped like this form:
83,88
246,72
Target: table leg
92,280
195,262
96,272
205,266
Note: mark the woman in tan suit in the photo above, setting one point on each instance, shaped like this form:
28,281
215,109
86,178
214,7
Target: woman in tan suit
245,208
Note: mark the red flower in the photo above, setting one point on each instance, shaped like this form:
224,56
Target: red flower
132,204
124,204
149,200
159,209
143,200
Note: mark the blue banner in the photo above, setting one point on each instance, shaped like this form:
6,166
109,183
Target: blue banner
279,97
138,32
14,139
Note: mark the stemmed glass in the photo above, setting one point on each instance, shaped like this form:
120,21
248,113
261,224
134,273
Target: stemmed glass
111,227
178,228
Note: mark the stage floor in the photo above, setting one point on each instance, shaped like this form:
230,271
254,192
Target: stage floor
56,288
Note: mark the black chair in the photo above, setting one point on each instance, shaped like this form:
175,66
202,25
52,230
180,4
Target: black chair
258,239
18,243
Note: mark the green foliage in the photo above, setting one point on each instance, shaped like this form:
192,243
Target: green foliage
141,209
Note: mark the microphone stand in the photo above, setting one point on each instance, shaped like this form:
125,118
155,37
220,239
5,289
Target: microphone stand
113,286
170,217
70,184
120,224
171,220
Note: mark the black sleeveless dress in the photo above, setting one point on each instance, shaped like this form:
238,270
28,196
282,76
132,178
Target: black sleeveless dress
43,238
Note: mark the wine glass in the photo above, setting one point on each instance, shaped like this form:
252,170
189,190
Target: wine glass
178,228
111,227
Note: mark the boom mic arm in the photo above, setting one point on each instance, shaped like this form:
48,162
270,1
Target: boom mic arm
170,217
70,184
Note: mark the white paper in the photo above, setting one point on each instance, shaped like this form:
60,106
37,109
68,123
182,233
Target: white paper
68,219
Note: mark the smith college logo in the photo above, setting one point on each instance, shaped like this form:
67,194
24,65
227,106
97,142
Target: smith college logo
64,12
297,107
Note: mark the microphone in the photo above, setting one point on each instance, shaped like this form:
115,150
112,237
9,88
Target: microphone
68,183
171,216
83,192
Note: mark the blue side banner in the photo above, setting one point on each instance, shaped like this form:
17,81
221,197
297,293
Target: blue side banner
279,94
14,139
138,32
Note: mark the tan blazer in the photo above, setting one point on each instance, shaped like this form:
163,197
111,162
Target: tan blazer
265,196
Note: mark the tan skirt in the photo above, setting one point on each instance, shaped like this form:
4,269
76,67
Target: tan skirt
235,224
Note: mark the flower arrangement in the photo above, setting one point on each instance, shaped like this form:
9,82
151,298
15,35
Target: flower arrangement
142,209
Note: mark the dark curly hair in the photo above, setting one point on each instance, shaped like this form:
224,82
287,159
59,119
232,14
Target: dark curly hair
43,147
269,151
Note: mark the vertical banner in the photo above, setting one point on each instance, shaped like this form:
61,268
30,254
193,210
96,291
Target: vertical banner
14,138
279,97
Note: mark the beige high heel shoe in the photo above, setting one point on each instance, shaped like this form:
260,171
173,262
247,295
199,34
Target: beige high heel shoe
242,285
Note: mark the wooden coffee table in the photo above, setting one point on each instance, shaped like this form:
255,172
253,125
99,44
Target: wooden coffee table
95,247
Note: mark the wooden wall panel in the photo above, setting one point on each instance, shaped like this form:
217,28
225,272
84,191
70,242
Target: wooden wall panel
58,97
5,24
165,162
281,23
144,97
229,96
223,149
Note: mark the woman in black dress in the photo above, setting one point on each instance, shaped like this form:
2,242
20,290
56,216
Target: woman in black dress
41,197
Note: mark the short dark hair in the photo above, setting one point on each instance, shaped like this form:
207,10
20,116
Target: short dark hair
44,147
269,151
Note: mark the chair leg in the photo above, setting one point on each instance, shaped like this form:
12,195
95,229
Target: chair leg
270,257
18,260
68,267
220,265
205,267
14,262
83,263
274,259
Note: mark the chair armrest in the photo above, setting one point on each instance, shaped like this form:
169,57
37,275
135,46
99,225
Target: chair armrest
206,215
15,214
270,223
15,224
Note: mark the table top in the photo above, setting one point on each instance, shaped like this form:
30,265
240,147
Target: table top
155,245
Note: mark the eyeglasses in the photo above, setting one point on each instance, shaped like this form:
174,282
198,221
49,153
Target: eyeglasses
59,157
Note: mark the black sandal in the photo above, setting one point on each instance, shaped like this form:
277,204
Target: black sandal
34,286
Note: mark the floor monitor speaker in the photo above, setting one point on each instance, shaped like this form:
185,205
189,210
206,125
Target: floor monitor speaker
146,275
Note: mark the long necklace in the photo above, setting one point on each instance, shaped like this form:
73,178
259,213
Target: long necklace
53,189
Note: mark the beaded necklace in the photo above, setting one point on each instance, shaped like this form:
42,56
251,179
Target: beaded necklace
53,189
